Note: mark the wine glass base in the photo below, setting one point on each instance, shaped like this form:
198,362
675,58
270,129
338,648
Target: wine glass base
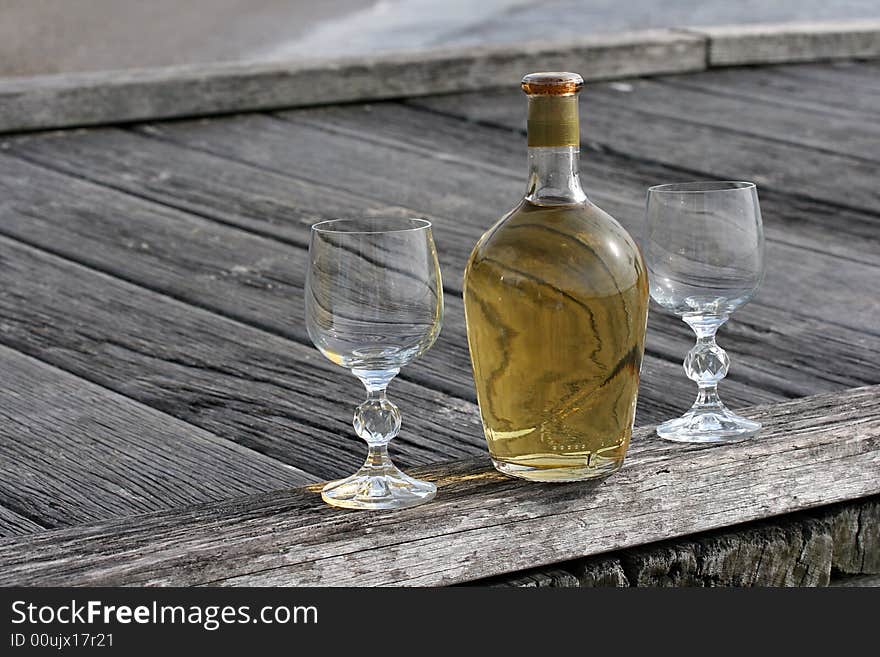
709,426
389,490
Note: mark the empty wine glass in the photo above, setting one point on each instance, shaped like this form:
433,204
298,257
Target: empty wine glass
374,302
705,255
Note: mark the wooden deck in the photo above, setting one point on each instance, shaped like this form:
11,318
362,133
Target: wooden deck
154,356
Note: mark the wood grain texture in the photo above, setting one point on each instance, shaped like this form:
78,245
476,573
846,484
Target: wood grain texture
499,158
269,203
813,548
620,125
857,77
464,174
812,451
833,133
276,396
783,87
15,524
794,555
791,42
73,452
600,571
546,578
444,143
855,531
118,96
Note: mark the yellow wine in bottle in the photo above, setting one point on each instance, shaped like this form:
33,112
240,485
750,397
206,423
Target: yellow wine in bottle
556,300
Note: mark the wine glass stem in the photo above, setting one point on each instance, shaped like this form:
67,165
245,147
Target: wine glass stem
708,397
706,363
377,457
377,420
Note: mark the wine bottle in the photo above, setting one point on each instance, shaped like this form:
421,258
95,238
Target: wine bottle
556,303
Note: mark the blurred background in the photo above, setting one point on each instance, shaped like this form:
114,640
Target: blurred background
59,36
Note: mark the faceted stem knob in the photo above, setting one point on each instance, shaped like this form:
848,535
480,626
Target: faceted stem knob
377,420
706,363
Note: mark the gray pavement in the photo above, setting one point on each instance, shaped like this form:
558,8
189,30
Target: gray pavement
56,36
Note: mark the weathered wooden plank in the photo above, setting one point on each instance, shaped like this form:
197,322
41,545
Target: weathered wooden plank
117,96
450,153
791,42
265,202
386,172
245,277
278,196
855,530
795,555
812,548
15,524
842,134
621,126
73,452
777,351
776,85
268,393
731,154
812,451
862,78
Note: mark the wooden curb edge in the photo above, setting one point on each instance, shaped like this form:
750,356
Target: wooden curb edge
55,101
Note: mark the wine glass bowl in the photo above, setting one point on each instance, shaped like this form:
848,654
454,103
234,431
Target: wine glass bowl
704,250
374,303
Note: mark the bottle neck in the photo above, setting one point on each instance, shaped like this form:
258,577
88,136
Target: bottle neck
554,178
554,139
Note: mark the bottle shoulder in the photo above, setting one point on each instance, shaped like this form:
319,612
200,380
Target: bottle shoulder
568,242
583,222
